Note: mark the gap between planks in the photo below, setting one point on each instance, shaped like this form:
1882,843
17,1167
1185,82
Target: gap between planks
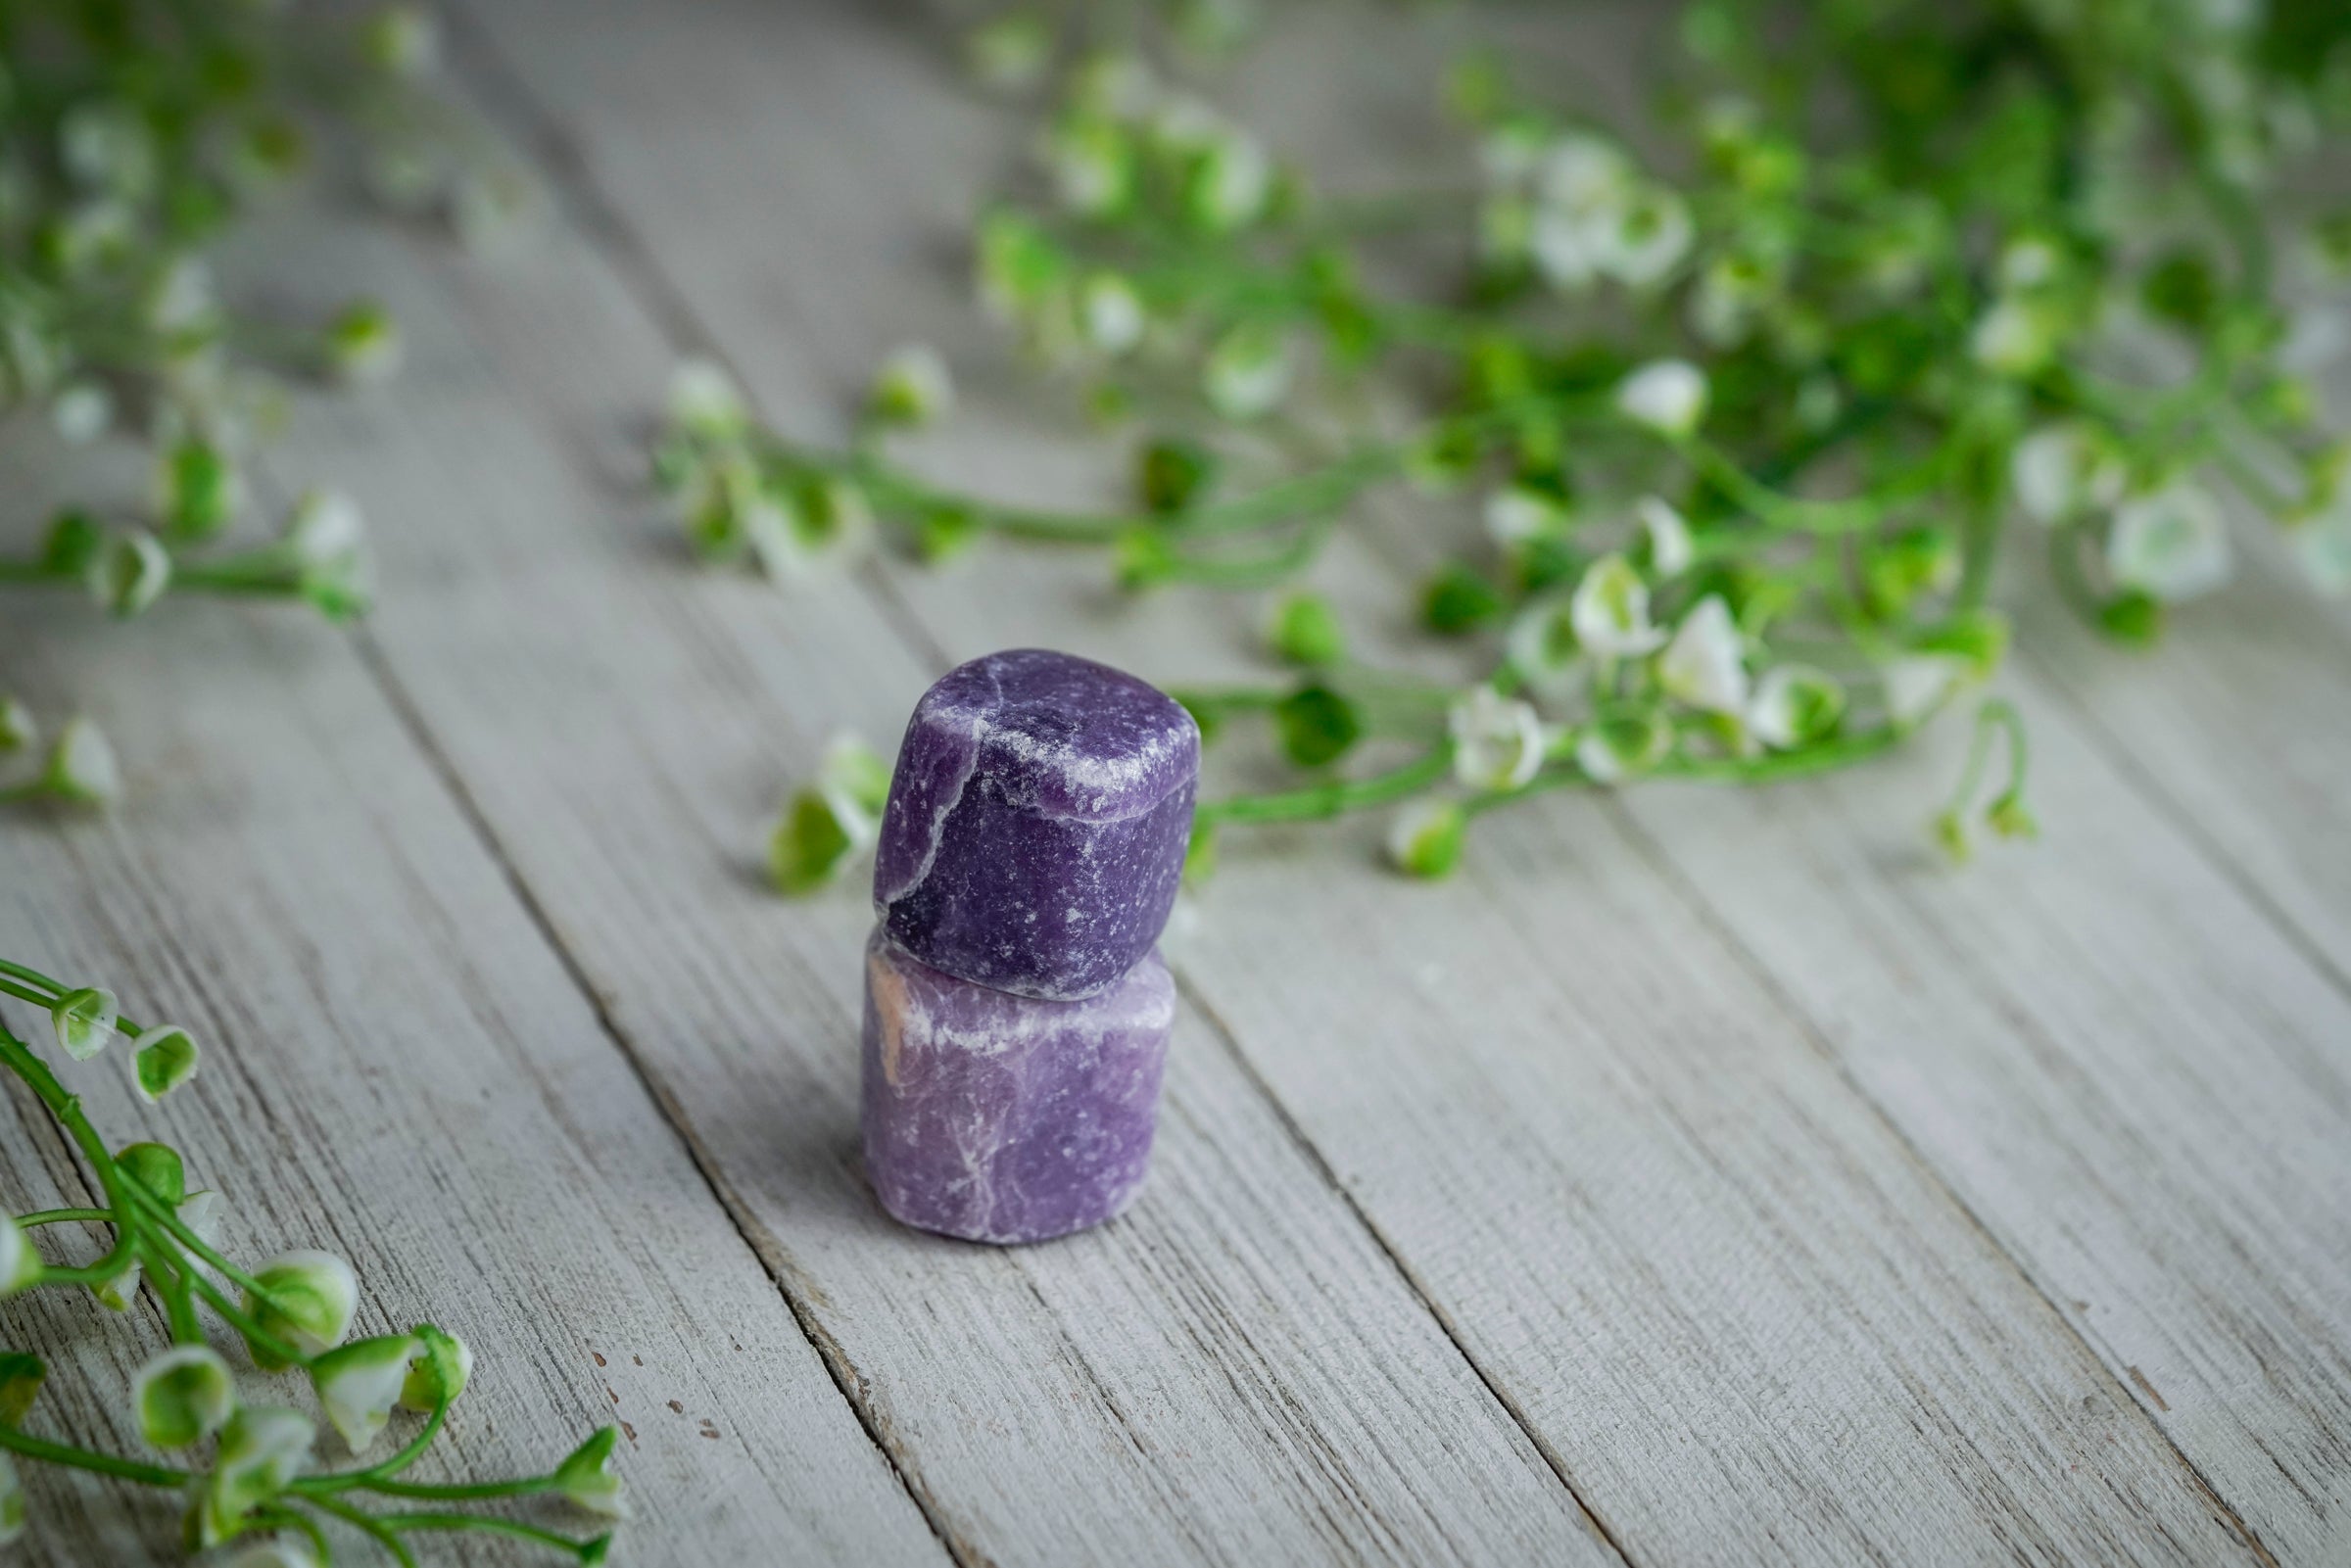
601,222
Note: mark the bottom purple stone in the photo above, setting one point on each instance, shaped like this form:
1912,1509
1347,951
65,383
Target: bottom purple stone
1007,1119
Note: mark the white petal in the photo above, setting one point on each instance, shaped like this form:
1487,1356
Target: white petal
1668,396
2172,544
1670,548
1704,664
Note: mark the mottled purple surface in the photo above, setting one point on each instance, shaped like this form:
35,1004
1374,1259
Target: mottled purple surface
1036,822
1005,1119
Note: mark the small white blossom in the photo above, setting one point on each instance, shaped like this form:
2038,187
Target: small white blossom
359,1384
1793,704
182,299
2013,338
1613,750
325,528
1566,247
119,1290
1113,313
261,1451
1610,612
705,401
1498,742
82,765
587,1479
200,1211
1704,665
16,728
1646,239
1233,181
19,1265
440,1374
183,1396
1583,173
1729,295
2172,544
163,1057
82,412
1247,373
312,1295
2028,262
2061,470
1543,647
1424,839
131,572
1091,163
1668,396
1670,550
1518,513
1917,684
83,1022
913,387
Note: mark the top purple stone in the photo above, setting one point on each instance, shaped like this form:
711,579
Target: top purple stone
1037,824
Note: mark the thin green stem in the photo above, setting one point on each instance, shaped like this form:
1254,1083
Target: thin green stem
369,1525
25,1446
1316,802
65,1216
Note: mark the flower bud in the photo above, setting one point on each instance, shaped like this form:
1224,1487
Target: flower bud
1704,665
1518,514
364,342
1113,313
1667,532
440,1374
1247,372
184,1396
1232,181
1918,683
1667,396
19,1263
1610,612
1425,837
1642,239
81,412
263,1449
156,1170
1622,744
119,1290
912,389
2062,470
162,1060
83,1022
1794,705
130,573
312,1296
1498,742
1543,649
587,1477
2014,338
1306,630
359,1384
2172,544
705,402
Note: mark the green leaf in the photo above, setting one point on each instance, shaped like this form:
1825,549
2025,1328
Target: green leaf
1457,599
1317,725
1306,630
1171,475
808,846
2133,618
20,1378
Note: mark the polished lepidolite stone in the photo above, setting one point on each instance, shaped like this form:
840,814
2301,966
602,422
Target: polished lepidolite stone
1037,824
1006,1119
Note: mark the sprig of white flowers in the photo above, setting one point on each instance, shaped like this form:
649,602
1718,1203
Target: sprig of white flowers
256,1494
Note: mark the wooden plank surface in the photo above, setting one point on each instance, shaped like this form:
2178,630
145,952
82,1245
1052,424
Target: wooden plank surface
397,1067
617,92
1237,1372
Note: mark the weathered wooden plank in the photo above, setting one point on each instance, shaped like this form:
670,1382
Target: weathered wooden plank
1233,1373
397,1067
1743,1317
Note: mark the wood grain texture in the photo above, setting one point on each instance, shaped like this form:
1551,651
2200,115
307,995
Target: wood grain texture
1712,1278
1235,1373
397,1067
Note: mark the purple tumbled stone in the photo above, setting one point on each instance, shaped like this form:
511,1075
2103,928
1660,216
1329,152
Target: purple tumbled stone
1005,1119
1036,822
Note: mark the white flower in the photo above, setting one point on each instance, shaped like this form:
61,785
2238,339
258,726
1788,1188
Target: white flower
131,572
773,527
12,1502
1646,239
1917,684
181,300
1232,182
1704,665
163,1059
359,1384
325,528
2013,338
312,1295
1518,513
1614,749
16,728
1091,163
2172,544
1583,173
440,1374
1668,396
119,1290
200,1211
261,1451
705,401
586,1478
1730,292
1565,246
183,1396
83,1022
2028,262
1795,704
1671,552
2060,470
1424,839
1247,373
19,1265
1498,742
1113,313
1610,612
1542,645
913,387
82,765
82,412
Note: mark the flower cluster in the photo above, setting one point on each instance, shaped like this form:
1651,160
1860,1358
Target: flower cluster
250,1477
1747,441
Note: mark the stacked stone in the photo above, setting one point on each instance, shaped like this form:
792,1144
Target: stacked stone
1015,1014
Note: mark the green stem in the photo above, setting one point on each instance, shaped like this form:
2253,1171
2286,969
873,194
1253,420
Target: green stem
366,1524
26,1446
65,1216
1316,802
